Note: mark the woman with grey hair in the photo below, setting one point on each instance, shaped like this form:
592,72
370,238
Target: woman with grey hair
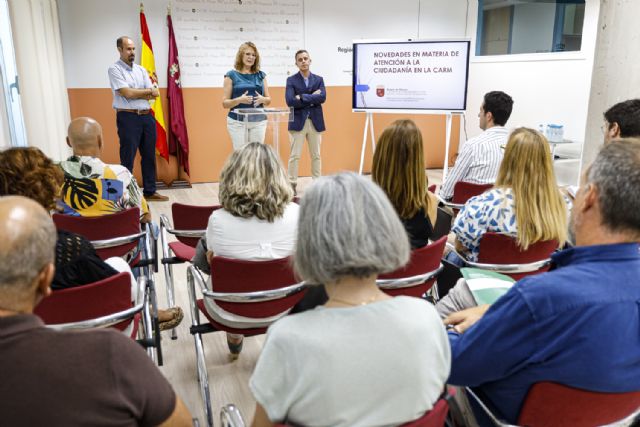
257,222
364,347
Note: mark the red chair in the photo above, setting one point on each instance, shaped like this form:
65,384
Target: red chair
119,235
112,235
418,276
551,404
501,253
255,289
106,303
463,191
190,224
230,415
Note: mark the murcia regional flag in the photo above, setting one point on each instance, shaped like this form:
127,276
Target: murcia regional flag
149,63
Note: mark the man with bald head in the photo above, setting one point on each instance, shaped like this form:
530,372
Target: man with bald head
132,90
92,187
100,377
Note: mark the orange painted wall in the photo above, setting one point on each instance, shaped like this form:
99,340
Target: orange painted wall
210,144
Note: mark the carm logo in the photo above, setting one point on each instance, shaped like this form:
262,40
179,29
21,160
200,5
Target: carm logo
380,91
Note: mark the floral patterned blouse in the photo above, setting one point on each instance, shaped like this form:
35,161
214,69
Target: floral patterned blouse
494,210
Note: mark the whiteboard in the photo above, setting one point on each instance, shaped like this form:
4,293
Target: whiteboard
410,75
209,33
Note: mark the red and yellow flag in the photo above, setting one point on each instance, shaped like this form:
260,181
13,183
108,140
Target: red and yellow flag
149,63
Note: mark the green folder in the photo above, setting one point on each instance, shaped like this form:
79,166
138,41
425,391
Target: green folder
486,286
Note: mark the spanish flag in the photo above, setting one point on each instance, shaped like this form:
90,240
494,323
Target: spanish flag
148,62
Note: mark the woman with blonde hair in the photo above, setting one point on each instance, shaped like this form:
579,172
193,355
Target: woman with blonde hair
257,221
525,201
246,87
398,168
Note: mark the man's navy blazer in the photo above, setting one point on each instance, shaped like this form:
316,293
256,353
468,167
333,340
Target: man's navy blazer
309,105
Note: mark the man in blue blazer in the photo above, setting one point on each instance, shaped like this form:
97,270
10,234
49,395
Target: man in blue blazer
305,93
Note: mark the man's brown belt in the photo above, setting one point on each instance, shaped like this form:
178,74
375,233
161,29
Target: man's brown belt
138,112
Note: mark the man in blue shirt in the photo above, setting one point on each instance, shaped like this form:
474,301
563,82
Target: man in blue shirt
578,324
132,91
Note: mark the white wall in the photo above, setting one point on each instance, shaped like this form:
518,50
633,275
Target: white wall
90,27
546,87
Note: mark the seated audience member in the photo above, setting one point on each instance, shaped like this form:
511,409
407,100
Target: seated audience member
577,324
480,157
96,378
525,203
365,347
92,187
257,221
28,172
622,120
398,168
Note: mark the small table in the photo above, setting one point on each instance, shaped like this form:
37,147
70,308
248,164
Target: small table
554,144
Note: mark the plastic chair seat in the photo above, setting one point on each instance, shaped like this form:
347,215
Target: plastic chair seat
181,251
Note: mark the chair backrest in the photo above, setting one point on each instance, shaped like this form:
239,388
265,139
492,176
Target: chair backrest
498,248
442,227
433,418
423,260
189,217
233,275
463,191
102,298
555,405
119,224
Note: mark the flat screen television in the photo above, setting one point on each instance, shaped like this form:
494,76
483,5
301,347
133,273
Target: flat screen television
410,75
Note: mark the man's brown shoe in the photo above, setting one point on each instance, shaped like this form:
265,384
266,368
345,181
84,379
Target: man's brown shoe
156,197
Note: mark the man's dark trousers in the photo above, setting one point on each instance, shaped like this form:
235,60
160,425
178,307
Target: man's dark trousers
138,131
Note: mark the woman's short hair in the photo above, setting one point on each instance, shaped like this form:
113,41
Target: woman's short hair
398,167
347,227
26,171
527,168
239,64
254,183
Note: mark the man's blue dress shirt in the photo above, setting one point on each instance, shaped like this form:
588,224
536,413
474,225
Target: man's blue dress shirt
578,325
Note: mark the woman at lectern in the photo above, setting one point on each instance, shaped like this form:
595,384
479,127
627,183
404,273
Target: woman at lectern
246,87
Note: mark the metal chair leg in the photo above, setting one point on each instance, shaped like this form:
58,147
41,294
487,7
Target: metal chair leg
201,365
168,272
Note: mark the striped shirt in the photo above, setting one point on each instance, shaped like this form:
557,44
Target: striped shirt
478,161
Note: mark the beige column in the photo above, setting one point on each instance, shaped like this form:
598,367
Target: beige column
616,69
